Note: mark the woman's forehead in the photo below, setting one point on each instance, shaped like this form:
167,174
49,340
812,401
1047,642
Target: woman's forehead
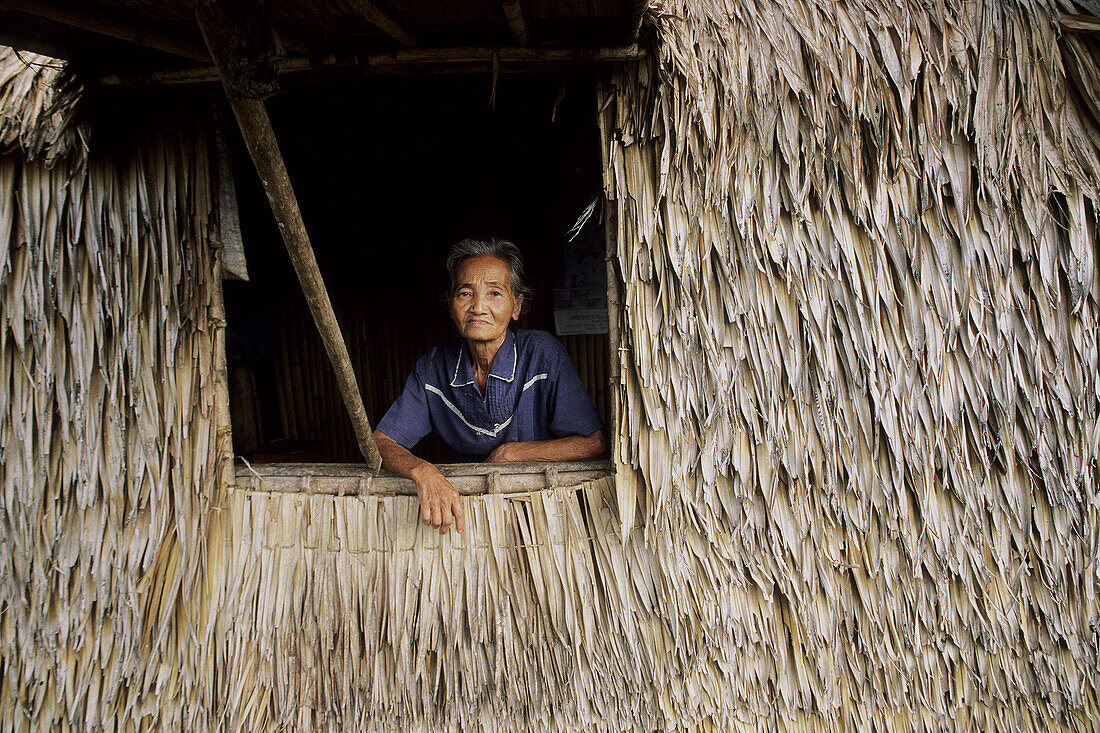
483,269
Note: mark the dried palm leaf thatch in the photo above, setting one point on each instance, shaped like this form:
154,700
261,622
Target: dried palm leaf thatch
348,614
859,377
38,107
857,419
107,418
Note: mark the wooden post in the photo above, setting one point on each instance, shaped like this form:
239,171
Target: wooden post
605,115
259,137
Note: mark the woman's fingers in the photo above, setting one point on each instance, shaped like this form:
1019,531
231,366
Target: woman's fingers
460,514
440,505
448,517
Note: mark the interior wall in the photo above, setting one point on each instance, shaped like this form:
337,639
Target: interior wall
389,174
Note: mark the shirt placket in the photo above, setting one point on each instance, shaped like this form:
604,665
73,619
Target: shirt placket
496,398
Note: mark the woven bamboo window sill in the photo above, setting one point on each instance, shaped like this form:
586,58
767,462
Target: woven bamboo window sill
469,479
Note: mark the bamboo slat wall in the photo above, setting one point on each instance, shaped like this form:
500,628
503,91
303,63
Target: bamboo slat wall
107,431
859,243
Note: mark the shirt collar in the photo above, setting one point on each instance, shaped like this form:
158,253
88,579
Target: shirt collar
504,363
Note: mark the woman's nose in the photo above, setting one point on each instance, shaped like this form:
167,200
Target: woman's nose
479,304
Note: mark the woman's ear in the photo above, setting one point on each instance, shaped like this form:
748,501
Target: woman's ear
517,308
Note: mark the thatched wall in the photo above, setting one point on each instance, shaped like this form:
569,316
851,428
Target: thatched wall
858,385
857,456
106,424
860,257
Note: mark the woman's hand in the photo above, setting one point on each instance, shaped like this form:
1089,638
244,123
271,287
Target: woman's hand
440,505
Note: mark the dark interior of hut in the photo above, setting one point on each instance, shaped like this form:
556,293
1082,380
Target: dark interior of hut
389,173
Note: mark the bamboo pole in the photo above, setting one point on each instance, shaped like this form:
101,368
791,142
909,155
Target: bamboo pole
282,378
504,55
589,342
260,140
469,479
601,378
223,423
286,395
605,114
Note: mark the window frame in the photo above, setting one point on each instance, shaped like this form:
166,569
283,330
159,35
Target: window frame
469,479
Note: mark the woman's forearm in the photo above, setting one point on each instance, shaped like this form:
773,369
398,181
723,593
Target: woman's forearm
439,502
397,458
570,448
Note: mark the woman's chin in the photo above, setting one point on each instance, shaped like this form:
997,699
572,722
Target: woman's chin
481,333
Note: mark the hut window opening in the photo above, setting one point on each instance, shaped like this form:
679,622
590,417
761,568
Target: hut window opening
389,173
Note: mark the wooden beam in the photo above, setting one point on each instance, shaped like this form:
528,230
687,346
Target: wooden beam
513,11
469,479
384,21
105,25
408,57
259,138
504,55
198,75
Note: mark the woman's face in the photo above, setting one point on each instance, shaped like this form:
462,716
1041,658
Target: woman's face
482,304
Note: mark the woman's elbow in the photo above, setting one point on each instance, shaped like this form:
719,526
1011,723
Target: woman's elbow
597,444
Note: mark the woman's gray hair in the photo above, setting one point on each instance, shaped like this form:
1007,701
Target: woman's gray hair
501,249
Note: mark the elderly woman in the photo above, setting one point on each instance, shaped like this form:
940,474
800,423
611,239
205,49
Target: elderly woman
492,394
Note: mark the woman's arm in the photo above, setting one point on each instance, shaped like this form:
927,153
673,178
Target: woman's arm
439,502
571,448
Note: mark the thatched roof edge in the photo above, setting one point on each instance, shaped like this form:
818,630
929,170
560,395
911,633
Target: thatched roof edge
38,107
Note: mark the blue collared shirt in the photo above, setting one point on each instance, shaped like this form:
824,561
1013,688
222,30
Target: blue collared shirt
532,392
